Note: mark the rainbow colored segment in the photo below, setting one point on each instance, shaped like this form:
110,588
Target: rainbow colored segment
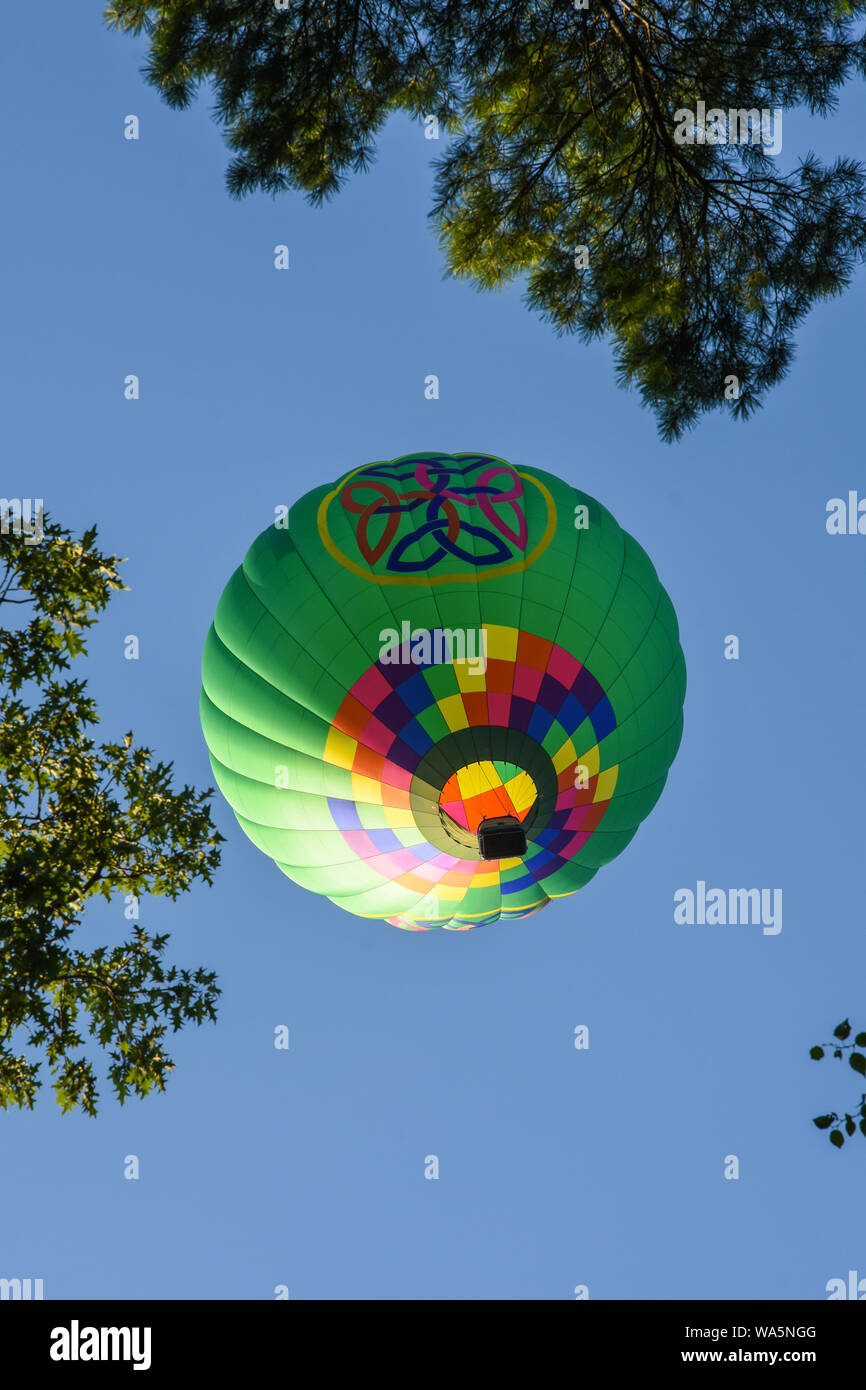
480,790
396,712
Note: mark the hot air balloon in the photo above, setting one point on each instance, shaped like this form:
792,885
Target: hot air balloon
443,690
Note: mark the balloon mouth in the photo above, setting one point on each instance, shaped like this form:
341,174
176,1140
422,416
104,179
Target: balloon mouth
478,774
483,806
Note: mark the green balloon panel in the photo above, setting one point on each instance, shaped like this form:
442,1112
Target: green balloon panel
430,623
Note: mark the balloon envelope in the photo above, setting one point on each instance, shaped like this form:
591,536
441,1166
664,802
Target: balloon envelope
432,643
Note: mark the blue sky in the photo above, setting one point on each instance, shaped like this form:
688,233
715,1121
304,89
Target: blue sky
558,1167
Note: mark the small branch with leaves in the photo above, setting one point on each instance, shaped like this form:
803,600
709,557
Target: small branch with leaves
857,1062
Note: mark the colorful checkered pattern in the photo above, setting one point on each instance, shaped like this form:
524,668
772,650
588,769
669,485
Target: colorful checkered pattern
399,710
487,788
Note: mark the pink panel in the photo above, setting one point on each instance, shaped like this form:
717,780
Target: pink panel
371,689
427,871
360,843
499,706
562,667
457,811
527,681
447,861
396,776
401,861
377,736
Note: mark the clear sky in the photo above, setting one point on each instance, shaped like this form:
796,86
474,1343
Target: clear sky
558,1167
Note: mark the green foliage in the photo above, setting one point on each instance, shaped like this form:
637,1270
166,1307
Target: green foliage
80,818
857,1061
702,258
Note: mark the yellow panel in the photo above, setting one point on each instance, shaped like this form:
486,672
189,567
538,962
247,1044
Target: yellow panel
501,643
521,789
484,881
466,782
466,679
339,749
606,783
476,778
453,712
445,890
366,789
567,754
590,760
509,863
399,817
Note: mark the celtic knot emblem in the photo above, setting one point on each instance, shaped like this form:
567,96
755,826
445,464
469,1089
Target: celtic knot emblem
439,497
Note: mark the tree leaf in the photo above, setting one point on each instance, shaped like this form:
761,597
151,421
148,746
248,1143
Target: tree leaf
860,1040
837,1138
858,1062
850,1126
823,1121
842,1031
816,1053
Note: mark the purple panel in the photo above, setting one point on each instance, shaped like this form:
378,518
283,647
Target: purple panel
397,672
404,756
551,694
521,713
393,712
587,690
345,813
385,840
